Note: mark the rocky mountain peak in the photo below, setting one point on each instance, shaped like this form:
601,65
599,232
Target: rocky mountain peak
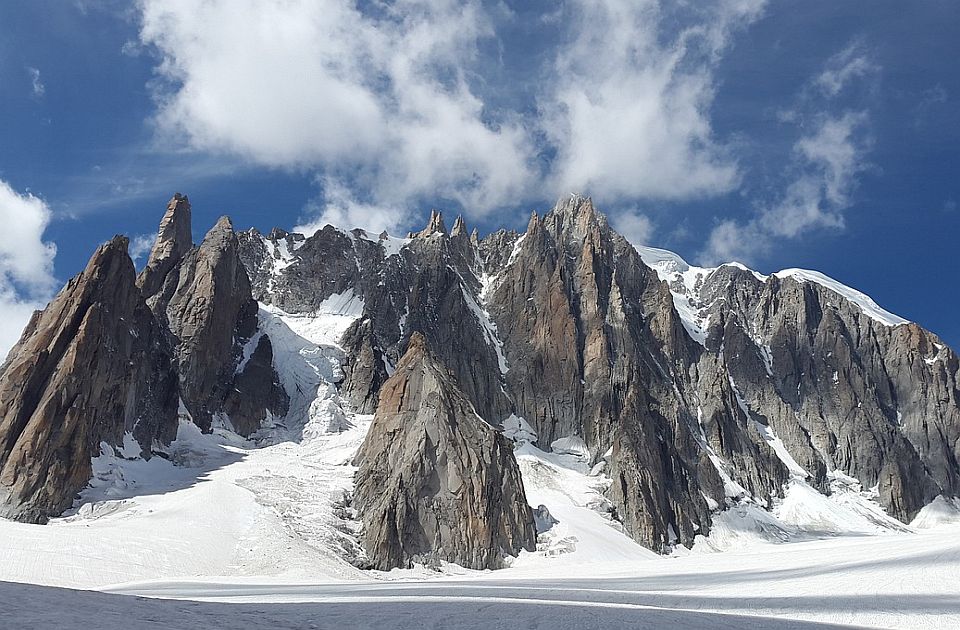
459,227
92,367
277,234
436,481
434,225
221,232
574,218
174,240
417,350
534,221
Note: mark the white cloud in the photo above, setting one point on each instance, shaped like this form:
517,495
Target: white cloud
824,168
39,89
827,162
381,101
140,246
633,226
26,262
849,64
628,106
338,206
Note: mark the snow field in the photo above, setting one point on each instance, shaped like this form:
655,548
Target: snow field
260,531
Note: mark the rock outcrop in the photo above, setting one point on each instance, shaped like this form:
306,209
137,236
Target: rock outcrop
174,240
684,393
691,389
597,352
436,481
91,368
205,301
843,390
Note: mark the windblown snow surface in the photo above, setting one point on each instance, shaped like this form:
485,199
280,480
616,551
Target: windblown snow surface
234,533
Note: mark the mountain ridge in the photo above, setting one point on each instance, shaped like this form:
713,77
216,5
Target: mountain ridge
691,389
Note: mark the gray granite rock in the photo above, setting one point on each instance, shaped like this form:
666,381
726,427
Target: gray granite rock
91,367
435,480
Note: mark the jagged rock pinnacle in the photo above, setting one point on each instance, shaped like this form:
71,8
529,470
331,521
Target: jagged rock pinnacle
91,367
434,225
467,506
459,227
174,240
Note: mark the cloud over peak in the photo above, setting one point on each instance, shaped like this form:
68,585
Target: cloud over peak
377,98
388,103
26,262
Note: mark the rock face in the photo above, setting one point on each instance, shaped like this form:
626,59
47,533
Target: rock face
597,352
174,240
436,481
692,389
116,354
871,396
683,383
92,367
204,299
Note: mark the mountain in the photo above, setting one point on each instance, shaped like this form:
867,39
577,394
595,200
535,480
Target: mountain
92,368
427,460
686,390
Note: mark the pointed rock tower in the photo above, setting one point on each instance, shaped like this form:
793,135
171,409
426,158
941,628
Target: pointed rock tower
436,482
90,368
203,296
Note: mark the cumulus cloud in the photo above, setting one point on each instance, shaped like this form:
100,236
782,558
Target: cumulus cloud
628,107
634,226
827,162
26,262
378,99
339,206
386,101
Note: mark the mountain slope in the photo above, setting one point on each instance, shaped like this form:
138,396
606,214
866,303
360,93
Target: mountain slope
696,388
92,368
684,391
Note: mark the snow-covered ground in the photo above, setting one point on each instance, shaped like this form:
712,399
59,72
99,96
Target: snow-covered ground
260,533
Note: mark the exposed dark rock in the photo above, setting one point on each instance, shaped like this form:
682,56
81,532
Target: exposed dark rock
204,301
565,326
436,481
174,240
434,226
91,367
256,390
366,368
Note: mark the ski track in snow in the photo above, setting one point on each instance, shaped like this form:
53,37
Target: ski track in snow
255,533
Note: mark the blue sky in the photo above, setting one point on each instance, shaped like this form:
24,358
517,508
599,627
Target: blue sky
821,135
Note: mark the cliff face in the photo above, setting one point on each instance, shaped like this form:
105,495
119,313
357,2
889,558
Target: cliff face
203,296
596,351
843,386
698,388
115,354
93,366
436,481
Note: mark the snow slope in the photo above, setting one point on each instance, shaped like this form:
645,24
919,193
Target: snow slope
864,581
261,531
